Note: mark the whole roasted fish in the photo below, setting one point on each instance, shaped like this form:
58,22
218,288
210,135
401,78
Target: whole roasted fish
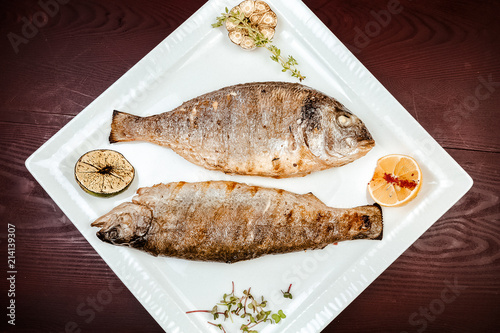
273,129
228,222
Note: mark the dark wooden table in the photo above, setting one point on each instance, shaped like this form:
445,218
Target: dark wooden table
440,59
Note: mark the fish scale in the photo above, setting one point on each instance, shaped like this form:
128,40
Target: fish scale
225,221
272,129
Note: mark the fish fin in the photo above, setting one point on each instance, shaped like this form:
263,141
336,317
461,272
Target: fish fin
120,129
312,197
98,223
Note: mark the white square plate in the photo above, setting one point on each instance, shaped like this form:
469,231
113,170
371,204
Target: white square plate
196,59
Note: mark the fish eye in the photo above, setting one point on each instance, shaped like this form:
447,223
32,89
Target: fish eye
113,233
344,120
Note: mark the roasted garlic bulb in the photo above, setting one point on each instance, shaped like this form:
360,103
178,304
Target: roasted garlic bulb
256,15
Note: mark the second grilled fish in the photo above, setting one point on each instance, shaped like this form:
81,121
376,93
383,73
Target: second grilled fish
228,222
272,129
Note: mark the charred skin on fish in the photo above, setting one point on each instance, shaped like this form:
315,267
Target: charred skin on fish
271,129
225,221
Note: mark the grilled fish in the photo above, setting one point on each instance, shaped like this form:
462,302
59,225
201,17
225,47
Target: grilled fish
225,221
272,129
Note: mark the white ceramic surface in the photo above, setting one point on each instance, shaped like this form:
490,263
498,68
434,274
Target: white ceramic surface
196,59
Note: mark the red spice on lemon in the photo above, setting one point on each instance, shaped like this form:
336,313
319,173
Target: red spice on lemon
409,184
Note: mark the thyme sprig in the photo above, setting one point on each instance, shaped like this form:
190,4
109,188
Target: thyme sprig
242,22
247,307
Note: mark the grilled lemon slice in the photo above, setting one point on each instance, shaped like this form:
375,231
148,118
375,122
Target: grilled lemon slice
396,181
104,172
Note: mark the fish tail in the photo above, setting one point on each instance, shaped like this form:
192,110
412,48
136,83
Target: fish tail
121,129
379,209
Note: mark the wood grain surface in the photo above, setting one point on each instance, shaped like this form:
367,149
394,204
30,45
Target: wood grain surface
440,60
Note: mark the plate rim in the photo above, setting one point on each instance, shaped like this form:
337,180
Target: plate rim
325,310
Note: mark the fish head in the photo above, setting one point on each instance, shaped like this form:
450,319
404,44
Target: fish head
346,137
126,224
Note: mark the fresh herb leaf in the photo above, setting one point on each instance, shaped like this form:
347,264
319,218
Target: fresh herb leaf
287,294
218,325
252,311
260,40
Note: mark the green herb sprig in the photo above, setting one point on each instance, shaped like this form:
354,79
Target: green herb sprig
246,307
287,294
242,22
